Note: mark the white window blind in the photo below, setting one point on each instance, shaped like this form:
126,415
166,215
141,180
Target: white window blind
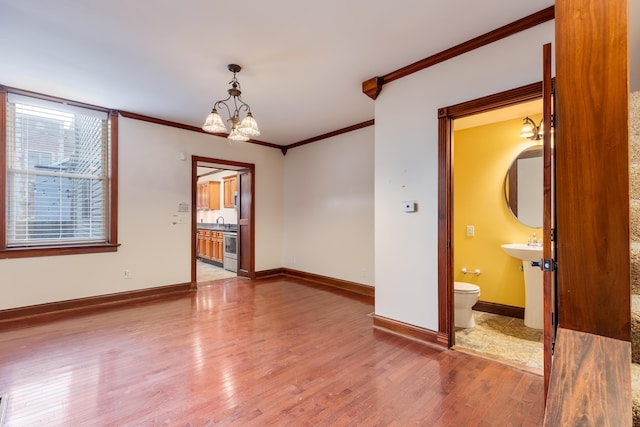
57,173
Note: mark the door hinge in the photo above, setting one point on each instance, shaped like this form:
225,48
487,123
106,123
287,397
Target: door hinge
553,234
545,264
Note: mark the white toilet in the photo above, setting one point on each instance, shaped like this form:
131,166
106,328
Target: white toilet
465,295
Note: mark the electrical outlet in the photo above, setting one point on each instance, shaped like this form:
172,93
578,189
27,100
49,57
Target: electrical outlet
127,274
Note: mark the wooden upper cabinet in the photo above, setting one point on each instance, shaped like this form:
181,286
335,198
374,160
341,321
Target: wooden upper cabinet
230,190
200,196
208,195
214,195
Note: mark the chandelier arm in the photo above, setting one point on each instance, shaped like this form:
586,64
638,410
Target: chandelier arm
223,103
243,106
235,106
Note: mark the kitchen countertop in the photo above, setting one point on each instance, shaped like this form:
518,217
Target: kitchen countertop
225,228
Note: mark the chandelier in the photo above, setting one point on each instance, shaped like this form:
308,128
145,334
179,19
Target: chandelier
241,130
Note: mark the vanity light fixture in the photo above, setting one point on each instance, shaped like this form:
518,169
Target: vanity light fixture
241,130
530,130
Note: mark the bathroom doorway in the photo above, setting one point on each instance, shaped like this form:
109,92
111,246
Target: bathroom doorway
479,141
222,219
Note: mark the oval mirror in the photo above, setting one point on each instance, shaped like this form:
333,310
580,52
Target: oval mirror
523,187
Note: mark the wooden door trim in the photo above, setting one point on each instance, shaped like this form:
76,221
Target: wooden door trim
446,115
194,188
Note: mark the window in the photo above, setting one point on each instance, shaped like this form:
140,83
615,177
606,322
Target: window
59,186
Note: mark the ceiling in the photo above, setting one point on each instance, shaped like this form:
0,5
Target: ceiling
303,62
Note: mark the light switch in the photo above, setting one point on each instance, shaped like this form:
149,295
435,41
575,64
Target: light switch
471,231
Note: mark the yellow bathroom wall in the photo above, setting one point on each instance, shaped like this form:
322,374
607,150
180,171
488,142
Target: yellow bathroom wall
481,157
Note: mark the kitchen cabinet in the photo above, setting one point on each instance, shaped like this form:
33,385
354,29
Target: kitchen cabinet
217,243
202,237
230,189
205,248
208,195
211,245
200,196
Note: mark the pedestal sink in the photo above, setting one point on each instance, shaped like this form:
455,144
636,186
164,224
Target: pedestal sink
533,315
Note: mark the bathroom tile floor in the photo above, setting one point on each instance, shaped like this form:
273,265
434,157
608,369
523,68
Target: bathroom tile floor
207,272
504,339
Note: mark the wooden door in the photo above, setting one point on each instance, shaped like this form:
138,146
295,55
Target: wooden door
548,240
246,266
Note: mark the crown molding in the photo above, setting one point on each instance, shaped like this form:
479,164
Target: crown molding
373,86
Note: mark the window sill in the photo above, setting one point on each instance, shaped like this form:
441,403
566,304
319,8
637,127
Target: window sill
57,250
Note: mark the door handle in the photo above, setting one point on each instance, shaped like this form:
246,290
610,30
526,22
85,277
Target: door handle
545,264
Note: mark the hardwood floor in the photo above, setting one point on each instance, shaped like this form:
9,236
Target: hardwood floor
275,351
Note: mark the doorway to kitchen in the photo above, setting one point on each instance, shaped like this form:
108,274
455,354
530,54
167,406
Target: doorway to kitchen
222,219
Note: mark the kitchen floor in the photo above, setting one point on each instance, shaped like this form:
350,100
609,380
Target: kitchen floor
207,272
504,339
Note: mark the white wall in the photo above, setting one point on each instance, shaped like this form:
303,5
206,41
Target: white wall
329,207
153,180
406,165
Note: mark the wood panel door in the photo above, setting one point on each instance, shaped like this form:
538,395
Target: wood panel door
246,265
547,264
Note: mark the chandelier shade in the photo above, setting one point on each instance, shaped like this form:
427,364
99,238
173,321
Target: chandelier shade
241,129
214,123
235,135
248,126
